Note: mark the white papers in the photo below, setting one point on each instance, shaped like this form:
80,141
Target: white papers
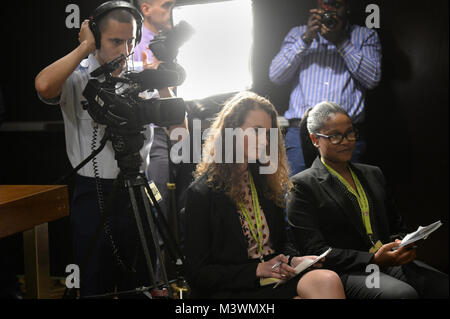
305,264
420,233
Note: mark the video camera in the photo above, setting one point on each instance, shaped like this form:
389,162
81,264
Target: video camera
116,102
166,44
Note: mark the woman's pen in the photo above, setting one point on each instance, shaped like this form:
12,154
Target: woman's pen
278,263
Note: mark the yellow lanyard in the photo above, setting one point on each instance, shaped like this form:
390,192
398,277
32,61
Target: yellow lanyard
360,196
257,234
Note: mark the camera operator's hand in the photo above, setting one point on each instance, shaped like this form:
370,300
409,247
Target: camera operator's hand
385,256
49,81
154,65
335,35
314,23
86,36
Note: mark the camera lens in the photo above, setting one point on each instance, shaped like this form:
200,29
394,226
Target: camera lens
328,20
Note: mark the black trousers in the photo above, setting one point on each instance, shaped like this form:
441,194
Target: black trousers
100,270
161,171
411,281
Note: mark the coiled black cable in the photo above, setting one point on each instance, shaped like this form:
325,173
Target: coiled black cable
101,201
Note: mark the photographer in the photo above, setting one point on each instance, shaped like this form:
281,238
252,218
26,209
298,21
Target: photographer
327,59
107,263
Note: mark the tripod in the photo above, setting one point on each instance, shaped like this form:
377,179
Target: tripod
149,220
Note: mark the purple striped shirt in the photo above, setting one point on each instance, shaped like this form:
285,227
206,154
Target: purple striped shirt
324,72
147,36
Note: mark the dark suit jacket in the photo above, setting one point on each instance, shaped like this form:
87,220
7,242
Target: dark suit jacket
322,215
215,246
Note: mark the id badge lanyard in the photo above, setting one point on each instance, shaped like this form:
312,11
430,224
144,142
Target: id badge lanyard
363,203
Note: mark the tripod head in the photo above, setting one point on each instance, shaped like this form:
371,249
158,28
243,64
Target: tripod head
127,145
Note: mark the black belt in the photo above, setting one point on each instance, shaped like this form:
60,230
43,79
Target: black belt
295,122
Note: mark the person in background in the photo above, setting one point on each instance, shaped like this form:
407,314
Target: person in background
164,173
157,17
328,59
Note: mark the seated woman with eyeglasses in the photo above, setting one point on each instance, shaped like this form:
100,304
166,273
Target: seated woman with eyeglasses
342,205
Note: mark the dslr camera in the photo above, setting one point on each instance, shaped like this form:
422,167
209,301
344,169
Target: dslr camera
329,15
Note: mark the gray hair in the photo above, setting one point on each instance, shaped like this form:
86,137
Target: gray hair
320,114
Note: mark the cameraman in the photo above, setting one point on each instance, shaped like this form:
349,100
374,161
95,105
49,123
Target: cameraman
63,83
157,17
328,59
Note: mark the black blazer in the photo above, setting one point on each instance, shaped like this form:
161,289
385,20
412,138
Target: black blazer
322,215
215,247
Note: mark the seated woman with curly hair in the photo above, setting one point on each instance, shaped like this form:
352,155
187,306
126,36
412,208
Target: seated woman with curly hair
235,225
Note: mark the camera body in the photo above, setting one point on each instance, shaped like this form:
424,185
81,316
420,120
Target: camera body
329,16
166,44
329,19
116,102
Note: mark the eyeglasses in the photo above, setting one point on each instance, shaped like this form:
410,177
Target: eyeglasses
336,139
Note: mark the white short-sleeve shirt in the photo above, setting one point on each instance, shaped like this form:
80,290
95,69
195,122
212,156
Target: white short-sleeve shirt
79,126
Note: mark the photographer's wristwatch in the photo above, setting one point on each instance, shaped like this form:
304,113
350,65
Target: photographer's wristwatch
306,40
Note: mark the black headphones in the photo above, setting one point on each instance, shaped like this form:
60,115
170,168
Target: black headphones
108,7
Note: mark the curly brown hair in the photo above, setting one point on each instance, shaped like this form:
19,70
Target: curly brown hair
225,177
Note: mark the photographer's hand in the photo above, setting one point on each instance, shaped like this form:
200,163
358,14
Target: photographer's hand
314,23
154,65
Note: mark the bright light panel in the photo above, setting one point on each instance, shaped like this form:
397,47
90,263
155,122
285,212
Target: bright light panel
217,57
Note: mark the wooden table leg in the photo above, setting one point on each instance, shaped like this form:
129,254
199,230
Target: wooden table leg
37,262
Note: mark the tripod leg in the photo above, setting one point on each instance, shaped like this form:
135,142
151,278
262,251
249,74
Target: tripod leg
142,236
164,229
172,218
155,238
172,214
